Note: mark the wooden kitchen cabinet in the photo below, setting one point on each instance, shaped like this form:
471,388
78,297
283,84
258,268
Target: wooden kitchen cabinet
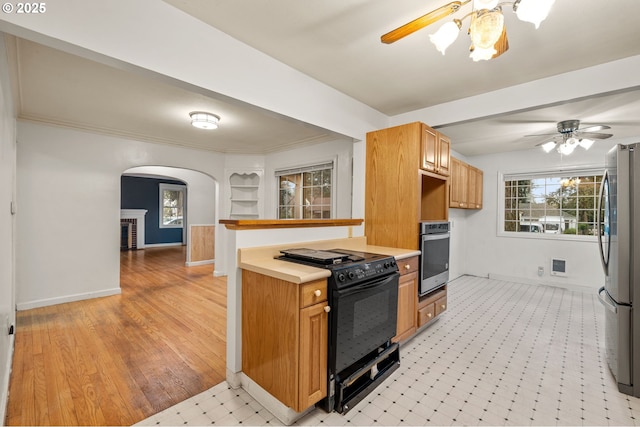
474,191
465,185
432,306
398,192
458,184
436,149
285,338
407,298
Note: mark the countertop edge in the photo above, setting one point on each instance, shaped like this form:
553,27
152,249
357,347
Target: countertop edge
254,224
298,273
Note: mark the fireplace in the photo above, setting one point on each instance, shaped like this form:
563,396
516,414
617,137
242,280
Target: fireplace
132,229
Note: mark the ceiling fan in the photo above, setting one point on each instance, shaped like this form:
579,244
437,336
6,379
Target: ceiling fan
486,30
571,135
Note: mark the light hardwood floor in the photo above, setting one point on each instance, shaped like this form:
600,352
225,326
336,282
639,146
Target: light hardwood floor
117,360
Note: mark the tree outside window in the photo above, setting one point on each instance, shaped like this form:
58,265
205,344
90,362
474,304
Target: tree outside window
172,202
552,204
305,193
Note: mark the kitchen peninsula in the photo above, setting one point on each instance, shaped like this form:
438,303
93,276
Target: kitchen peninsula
285,369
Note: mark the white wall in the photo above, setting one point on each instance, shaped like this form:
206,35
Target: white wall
7,227
68,187
518,257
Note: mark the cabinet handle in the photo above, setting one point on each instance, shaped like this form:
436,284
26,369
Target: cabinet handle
443,306
407,267
317,292
428,314
327,309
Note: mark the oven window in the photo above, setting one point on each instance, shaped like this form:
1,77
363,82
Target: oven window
370,313
364,318
435,257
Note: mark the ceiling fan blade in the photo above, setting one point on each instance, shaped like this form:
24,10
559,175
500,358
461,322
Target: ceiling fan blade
554,134
593,135
423,21
594,128
502,45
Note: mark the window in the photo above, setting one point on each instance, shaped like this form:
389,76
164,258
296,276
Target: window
552,203
172,198
306,192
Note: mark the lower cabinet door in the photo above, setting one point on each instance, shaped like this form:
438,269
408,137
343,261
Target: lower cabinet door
314,342
407,298
441,305
426,314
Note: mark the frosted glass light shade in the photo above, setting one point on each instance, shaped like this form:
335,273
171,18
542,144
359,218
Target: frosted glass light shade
445,36
480,54
566,148
486,28
548,146
534,11
203,120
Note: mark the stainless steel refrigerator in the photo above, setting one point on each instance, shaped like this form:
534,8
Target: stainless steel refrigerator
619,242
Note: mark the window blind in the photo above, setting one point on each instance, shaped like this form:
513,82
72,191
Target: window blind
553,174
301,169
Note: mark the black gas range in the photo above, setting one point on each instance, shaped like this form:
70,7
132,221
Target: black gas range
363,296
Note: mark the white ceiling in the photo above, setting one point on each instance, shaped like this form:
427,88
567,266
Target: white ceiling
338,42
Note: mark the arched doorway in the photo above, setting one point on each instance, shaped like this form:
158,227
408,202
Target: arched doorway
196,219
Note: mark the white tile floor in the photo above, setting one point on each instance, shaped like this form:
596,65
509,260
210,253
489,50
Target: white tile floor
503,354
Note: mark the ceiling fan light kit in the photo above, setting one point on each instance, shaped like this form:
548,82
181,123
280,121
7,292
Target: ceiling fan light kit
486,30
572,136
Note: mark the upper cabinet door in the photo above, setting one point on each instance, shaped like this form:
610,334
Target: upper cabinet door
429,149
435,151
444,144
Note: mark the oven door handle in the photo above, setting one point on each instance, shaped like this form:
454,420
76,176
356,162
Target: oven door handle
368,285
437,236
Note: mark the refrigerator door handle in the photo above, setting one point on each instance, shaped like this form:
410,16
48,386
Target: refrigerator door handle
604,257
608,302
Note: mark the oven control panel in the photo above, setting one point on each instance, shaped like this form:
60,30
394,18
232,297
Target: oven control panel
365,270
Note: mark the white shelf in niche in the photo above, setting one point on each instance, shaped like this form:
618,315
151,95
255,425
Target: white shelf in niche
244,194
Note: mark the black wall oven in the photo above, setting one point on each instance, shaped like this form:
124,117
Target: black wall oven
434,260
363,296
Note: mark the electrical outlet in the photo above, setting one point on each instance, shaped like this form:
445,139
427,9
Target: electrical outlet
540,271
8,325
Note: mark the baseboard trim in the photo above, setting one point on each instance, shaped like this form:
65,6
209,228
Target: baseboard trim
195,263
162,245
525,281
4,392
285,414
218,273
67,298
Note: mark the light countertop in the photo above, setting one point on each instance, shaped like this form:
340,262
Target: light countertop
262,259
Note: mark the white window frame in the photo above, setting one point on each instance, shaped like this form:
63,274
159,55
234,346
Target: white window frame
505,176
172,187
319,165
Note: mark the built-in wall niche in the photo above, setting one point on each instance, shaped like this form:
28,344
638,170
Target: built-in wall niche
245,189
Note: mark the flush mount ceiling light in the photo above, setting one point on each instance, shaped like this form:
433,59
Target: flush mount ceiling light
487,30
203,120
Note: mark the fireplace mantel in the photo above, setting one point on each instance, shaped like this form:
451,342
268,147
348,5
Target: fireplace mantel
138,215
